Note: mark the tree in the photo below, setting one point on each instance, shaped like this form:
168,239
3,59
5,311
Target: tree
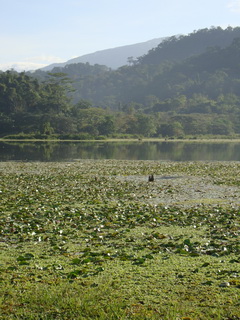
6,123
46,128
18,92
107,126
172,129
145,125
55,92
131,61
221,126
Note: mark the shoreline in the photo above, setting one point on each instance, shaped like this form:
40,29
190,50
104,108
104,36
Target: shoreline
205,140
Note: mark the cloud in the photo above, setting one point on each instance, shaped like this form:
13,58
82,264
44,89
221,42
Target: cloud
234,6
31,63
21,66
44,59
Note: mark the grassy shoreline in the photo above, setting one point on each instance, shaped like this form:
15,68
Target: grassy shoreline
130,138
204,140
96,240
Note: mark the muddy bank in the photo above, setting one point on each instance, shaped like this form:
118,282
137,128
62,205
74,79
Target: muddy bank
184,190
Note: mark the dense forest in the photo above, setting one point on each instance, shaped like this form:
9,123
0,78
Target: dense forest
187,86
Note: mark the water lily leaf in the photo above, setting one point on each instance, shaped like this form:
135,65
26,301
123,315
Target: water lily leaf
12,268
94,285
206,264
183,251
207,283
74,274
26,256
139,261
99,269
76,261
87,260
149,256
234,261
23,263
29,256
158,235
187,242
194,254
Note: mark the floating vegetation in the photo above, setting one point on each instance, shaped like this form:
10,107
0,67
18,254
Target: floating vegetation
91,222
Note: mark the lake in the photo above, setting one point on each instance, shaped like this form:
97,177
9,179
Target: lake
126,150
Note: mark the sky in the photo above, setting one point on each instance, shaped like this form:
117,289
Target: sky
36,33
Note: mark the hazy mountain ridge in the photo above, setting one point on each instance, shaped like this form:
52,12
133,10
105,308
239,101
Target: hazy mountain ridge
160,94
156,51
177,48
170,77
113,57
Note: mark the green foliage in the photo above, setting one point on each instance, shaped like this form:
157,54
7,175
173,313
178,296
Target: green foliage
188,85
177,48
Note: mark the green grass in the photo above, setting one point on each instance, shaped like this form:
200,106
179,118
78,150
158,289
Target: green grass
96,240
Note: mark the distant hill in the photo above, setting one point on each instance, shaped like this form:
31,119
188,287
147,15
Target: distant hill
204,62
164,73
177,48
187,85
112,58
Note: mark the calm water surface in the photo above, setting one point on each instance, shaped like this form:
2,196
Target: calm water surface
139,150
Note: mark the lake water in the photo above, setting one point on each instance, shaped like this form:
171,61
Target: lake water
138,150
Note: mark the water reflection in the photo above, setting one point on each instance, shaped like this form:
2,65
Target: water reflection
139,150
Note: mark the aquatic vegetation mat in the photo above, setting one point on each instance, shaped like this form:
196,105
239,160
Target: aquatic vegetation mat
96,240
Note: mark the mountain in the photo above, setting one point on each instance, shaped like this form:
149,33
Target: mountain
188,85
166,72
177,48
112,58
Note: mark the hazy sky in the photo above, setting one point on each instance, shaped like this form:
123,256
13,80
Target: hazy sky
40,32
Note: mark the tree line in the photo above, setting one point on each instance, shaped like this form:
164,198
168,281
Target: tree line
194,95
